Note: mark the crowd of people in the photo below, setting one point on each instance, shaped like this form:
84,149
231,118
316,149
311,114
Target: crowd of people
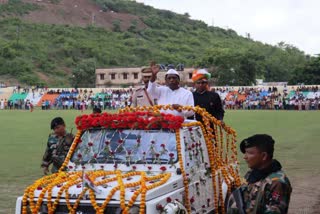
302,98
106,99
246,98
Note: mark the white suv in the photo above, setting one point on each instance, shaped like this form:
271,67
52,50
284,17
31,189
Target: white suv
140,162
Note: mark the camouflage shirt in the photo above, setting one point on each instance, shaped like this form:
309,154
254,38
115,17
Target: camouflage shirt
56,151
270,195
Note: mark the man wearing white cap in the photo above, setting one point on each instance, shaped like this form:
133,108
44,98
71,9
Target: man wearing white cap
172,93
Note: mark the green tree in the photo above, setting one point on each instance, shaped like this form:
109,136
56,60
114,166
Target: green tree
310,74
83,75
134,26
116,25
231,66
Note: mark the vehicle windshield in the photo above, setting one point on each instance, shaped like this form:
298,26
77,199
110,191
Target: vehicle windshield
126,146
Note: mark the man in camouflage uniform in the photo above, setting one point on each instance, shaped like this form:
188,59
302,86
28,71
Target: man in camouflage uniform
58,146
268,189
140,96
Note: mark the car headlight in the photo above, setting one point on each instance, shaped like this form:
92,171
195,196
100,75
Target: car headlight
175,207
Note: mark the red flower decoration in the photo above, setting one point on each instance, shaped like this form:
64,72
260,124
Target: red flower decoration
90,144
192,200
163,168
159,207
129,120
171,155
169,200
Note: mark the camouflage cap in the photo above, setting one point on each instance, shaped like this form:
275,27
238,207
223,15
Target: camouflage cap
263,141
56,121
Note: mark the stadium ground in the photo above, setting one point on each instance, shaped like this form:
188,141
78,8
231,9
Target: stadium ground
23,138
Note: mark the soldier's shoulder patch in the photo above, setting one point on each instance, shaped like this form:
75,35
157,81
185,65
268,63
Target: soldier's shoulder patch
276,196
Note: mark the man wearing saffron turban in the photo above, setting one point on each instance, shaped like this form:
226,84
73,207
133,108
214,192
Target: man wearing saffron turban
205,98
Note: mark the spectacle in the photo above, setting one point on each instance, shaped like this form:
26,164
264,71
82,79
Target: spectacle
203,82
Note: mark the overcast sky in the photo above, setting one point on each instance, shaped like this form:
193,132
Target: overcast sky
296,22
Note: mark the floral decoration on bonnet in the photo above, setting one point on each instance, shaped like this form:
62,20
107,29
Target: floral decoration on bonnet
129,120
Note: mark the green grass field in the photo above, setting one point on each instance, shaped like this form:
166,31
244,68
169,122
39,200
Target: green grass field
23,138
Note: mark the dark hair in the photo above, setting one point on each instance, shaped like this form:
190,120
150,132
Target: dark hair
96,110
56,121
263,142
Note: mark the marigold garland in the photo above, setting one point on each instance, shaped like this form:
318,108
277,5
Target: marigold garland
218,153
72,178
185,178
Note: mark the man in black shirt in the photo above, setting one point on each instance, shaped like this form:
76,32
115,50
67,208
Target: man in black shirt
204,98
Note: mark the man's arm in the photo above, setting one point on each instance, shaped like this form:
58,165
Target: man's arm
189,102
155,70
277,201
47,158
153,90
217,110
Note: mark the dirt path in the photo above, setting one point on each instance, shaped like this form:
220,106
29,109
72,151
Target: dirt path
305,197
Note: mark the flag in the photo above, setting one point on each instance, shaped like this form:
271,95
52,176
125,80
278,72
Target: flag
87,182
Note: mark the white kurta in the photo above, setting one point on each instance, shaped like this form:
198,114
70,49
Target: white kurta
165,96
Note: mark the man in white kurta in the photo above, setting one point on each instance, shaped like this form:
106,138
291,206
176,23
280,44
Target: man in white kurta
172,93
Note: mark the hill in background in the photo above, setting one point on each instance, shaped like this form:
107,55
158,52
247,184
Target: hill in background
59,43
